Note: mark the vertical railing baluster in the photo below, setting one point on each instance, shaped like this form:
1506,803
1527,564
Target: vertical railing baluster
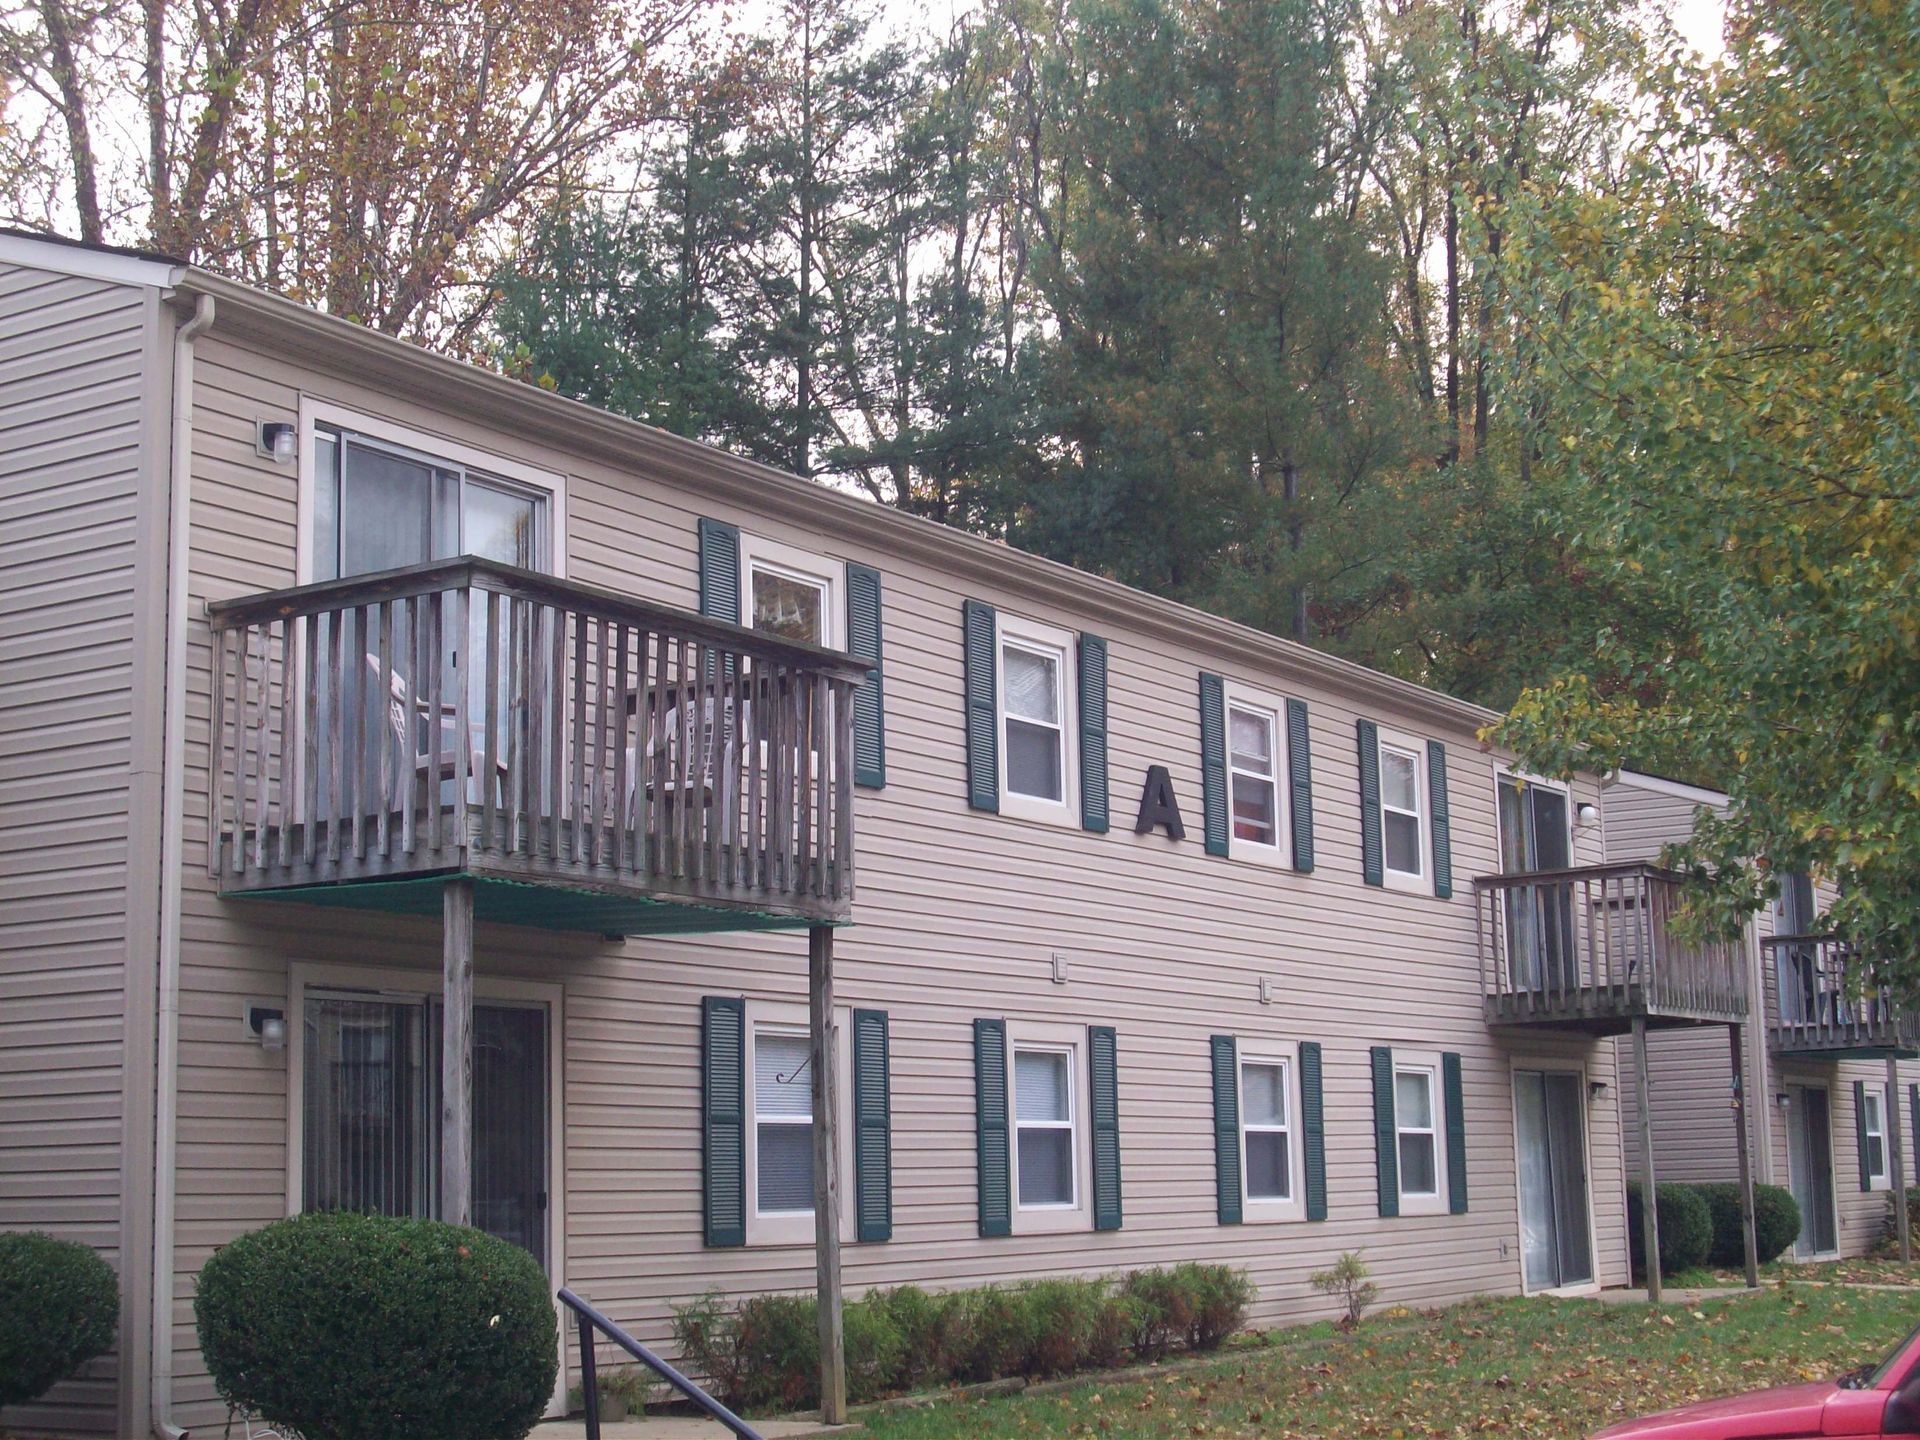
216,751
659,760
407,782
577,752
335,623
823,754
803,784
534,746
289,749
387,742
843,791
557,739
684,727
461,678
491,819
757,760
589,1382
357,667
599,844
622,803
436,663
263,740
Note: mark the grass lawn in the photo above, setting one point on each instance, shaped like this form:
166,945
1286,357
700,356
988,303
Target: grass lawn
1875,1271
1553,1369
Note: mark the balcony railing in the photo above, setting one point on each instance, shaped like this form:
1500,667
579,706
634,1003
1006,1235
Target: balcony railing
1827,1000
1593,949
469,717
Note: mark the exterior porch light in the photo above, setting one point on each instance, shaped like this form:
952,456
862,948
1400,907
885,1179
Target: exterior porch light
1587,814
1597,1091
277,441
268,1025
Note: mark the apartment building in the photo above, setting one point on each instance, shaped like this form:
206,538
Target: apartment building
381,737
1835,1112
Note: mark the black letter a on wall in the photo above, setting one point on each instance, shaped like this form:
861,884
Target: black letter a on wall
1157,805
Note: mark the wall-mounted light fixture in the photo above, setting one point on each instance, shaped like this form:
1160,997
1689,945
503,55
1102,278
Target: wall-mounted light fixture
1586,814
268,1025
1597,1091
277,441
1781,1099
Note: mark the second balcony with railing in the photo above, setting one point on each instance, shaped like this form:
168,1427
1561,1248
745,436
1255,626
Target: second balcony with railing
593,761
1830,999
1596,948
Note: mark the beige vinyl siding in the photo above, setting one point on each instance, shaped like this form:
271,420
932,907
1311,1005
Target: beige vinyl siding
957,916
75,437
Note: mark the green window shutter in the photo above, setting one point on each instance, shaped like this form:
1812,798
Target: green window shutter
1913,1143
1385,1150
723,1116
1300,784
872,1127
980,637
1093,734
1313,1129
1370,862
719,571
990,1126
1103,1103
1455,1101
1860,1133
1213,760
1226,1128
869,701
1441,821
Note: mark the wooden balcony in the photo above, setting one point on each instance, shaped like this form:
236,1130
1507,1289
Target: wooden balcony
592,761
1593,950
1827,1002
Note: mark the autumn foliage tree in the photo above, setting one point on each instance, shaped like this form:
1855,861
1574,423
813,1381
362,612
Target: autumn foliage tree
1727,335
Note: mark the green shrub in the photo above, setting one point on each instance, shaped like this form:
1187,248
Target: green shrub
1218,1305
1114,1329
1002,1333
1163,1310
764,1353
933,1334
1776,1223
59,1304
1686,1228
368,1327
875,1350
1347,1280
1066,1316
1889,1229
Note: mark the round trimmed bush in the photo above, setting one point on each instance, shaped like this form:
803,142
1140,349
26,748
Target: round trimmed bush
1686,1228
367,1327
1776,1222
59,1306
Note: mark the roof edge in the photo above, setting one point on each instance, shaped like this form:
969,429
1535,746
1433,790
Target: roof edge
702,469
115,264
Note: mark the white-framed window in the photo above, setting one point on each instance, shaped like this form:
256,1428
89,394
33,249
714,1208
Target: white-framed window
1037,717
1050,1142
1403,811
780,1122
791,593
1271,1180
1256,764
1417,1127
1873,1123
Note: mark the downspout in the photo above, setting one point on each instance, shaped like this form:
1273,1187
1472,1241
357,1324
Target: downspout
172,862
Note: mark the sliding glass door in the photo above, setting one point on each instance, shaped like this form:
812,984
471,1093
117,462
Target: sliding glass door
1555,1236
371,1104
1536,834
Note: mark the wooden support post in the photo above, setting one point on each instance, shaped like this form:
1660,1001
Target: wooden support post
826,1174
1897,1159
456,1053
1649,1207
1743,1138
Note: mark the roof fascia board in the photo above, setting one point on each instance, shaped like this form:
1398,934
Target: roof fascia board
1659,785
707,471
87,263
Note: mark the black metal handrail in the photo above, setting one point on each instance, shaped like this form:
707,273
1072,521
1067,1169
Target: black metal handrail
589,1320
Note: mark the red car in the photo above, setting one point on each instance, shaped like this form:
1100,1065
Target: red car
1875,1400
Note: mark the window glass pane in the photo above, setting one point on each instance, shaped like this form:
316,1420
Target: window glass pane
1416,1165
1413,1101
326,508
1267,1177
1032,685
500,525
1263,1094
384,505
367,1123
782,1079
1402,836
1046,1167
1399,783
788,607
1033,760
1251,737
785,1176
1040,1085
1253,809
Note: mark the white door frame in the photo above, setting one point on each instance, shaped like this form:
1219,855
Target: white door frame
1564,1066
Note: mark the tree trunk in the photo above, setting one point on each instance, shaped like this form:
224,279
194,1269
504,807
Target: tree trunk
73,113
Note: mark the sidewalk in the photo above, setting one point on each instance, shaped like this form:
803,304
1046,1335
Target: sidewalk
685,1427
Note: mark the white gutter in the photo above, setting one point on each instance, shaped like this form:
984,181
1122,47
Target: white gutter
172,861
